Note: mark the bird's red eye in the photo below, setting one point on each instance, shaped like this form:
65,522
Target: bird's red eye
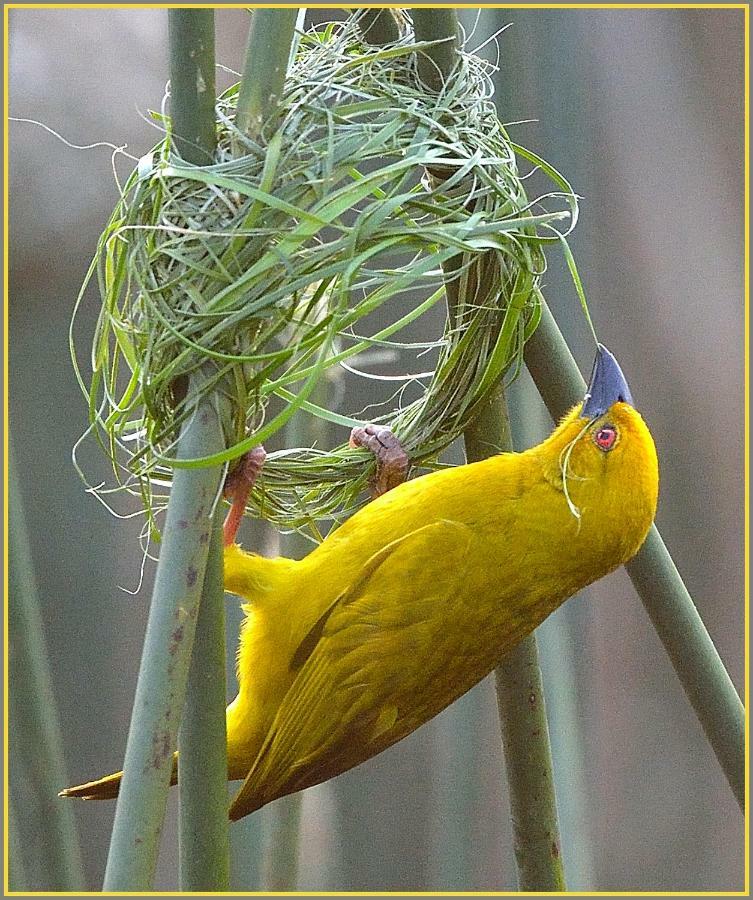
605,437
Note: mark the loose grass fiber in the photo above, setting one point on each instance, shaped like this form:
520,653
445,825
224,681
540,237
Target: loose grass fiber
260,271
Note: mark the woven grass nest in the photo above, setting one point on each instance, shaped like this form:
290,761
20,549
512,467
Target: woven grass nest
254,276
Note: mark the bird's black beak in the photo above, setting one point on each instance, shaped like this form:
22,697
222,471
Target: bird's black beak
607,386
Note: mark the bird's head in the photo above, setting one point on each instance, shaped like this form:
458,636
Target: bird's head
602,455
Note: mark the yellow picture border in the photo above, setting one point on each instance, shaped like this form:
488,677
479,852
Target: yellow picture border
711,6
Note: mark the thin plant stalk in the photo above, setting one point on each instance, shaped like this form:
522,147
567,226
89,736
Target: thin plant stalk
35,735
247,835
528,763
557,640
559,645
163,675
525,732
283,820
281,842
268,53
458,792
522,710
269,39
559,636
204,861
658,583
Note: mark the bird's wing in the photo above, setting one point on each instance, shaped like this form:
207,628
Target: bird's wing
356,663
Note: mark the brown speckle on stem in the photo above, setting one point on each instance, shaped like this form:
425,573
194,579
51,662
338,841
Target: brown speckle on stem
161,746
177,638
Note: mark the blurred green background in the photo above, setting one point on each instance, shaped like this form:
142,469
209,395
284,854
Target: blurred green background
643,111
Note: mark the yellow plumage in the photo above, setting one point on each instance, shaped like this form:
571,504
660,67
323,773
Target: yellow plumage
418,596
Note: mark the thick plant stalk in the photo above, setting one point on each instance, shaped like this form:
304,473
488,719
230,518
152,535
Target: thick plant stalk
269,39
525,733
658,583
192,91
379,26
436,24
35,736
163,675
204,860
202,741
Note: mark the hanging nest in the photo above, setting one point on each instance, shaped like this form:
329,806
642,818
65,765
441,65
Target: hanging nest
252,278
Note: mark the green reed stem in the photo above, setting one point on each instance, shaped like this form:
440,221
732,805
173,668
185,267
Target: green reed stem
163,675
204,861
658,583
525,732
192,90
522,710
176,599
379,26
436,64
202,740
36,756
17,878
267,58
269,39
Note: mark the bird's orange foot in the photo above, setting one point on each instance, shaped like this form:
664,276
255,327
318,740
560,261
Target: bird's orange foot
392,461
238,484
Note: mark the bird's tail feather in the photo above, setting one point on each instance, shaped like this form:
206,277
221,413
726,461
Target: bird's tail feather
107,788
102,789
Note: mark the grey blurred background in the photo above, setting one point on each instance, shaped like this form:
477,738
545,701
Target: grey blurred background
643,111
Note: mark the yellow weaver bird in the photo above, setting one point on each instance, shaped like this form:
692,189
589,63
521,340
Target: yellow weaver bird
421,593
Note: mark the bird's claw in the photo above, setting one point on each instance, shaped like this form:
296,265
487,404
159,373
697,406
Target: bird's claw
392,462
238,485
